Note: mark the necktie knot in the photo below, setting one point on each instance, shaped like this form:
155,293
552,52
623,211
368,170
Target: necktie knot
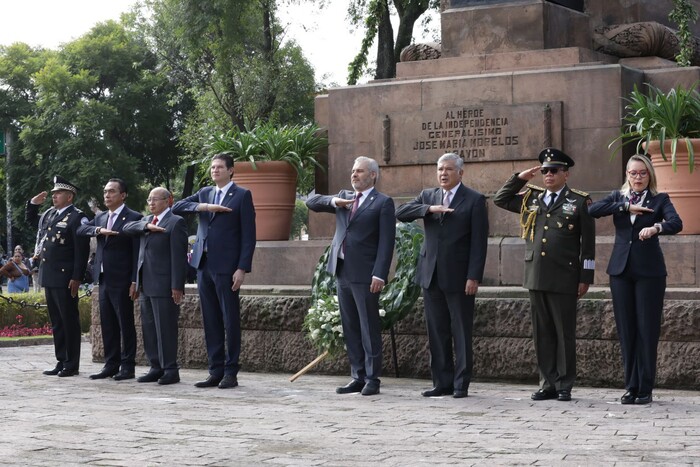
110,221
552,197
446,198
217,198
636,196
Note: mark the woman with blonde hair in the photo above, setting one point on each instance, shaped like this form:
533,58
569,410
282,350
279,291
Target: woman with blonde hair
637,271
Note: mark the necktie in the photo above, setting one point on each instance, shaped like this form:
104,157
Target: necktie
155,220
446,199
110,221
355,204
552,197
217,198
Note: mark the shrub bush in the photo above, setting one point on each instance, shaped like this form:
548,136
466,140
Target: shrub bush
32,307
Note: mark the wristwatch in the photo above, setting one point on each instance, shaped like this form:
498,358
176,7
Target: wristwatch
98,230
657,226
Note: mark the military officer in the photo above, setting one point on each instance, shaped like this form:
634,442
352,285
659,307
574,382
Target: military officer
62,257
559,264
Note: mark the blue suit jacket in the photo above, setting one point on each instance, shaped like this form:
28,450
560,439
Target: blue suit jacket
645,258
229,236
116,256
369,236
455,243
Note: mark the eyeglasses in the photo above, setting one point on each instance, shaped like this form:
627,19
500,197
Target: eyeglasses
637,173
151,200
552,170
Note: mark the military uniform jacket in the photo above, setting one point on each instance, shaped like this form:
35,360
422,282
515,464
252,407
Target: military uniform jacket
559,241
63,254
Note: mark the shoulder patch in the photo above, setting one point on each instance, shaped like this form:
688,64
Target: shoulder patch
579,192
535,187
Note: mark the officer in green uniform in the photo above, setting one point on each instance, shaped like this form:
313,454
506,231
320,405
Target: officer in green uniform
559,264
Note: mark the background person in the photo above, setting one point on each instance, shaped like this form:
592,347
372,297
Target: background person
17,274
360,257
638,272
559,264
450,271
222,254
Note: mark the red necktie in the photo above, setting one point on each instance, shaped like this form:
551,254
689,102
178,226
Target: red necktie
155,220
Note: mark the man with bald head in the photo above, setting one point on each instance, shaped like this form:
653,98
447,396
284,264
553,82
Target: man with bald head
162,268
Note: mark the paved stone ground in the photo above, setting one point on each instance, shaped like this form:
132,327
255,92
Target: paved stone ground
49,421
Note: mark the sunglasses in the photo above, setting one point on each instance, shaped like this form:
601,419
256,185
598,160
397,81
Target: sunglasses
552,170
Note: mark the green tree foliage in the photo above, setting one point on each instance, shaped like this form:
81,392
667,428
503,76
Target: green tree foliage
227,55
375,15
100,107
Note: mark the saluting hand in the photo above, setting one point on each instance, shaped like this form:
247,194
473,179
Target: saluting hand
529,174
639,210
343,203
212,208
108,233
154,228
439,209
40,198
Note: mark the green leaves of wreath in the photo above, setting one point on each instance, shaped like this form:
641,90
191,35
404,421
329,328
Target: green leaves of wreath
322,322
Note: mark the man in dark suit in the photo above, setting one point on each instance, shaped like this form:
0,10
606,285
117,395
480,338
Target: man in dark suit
559,264
360,258
222,255
114,269
450,269
160,279
62,257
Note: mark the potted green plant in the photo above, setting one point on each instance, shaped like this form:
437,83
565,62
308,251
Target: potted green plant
275,163
666,127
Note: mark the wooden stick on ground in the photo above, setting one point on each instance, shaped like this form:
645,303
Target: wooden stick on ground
308,367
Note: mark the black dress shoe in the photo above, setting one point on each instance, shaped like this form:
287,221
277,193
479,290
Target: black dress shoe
641,399
543,395
55,370
371,389
64,373
564,395
210,382
435,392
150,377
124,374
105,373
353,386
628,397
460,393
169,378
228,381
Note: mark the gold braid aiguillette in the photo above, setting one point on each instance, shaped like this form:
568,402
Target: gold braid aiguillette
527,223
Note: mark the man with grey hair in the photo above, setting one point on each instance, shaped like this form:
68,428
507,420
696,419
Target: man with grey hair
161,271
450,269
360,258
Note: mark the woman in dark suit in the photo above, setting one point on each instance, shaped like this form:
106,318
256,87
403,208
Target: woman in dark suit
638,272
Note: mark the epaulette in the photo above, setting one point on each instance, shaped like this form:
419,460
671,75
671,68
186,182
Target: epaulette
579,192
535,187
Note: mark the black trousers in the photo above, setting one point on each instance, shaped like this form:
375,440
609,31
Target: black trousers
118,328
449,317
638,305
65,325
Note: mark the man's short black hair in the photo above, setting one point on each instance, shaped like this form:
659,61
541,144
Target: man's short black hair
228,160
122,184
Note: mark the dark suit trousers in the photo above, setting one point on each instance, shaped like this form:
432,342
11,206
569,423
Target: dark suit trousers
65,325
118,329
638,304
221,315
449,317
159,317
554,334
362,328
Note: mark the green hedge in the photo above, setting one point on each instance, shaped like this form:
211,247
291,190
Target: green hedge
24,304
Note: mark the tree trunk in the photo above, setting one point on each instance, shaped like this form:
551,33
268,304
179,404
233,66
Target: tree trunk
386,63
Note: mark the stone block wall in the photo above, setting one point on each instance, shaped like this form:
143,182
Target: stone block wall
274,342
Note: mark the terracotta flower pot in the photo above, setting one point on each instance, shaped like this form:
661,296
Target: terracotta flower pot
682,186
273,186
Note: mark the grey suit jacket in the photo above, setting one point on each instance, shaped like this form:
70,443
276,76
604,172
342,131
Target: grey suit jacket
162,263
369,236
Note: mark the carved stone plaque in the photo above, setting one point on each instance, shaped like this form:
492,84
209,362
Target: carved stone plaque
479,133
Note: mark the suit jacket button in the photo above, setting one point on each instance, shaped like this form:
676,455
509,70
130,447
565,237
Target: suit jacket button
544,240
549,215
63,270
544,254
546,227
